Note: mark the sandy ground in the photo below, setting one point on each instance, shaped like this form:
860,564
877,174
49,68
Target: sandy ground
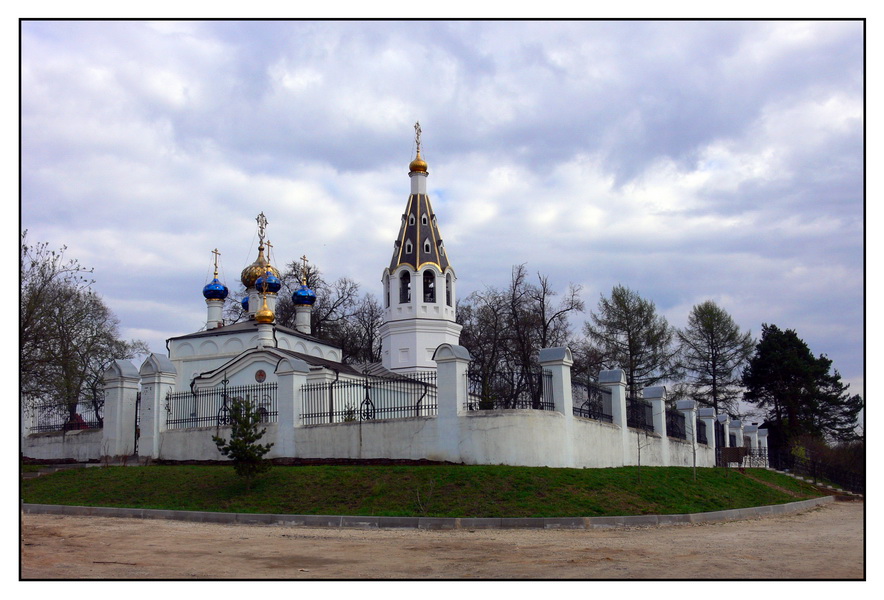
824,543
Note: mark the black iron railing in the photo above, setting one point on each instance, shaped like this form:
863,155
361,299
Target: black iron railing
675,425
639,414
370,397
63,417
509,389
210,407
817,470
591,401
701,432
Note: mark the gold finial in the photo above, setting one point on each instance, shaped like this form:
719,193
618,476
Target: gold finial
265,315
304,270
217,254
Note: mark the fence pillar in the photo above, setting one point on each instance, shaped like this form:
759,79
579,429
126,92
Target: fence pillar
656,395
736,428
689,409
752,432
558,361
452,363
157,380
762,444
615,381
725,427
291,373
121,395
707,415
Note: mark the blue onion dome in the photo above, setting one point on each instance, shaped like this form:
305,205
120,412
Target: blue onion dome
215,290
245,304
304,295
272,281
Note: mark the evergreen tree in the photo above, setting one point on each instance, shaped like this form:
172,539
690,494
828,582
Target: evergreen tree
630,335
243,447
712,352
799,392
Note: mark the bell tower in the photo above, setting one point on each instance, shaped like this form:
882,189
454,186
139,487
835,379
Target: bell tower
419,285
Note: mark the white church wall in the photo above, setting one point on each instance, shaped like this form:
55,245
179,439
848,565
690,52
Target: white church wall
81,446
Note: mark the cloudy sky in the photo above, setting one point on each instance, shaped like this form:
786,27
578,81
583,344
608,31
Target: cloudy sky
688,160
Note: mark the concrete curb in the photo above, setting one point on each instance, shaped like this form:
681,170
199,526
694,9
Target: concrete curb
357,522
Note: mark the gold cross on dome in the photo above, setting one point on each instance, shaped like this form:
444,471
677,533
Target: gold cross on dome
217,254
304,270
269,247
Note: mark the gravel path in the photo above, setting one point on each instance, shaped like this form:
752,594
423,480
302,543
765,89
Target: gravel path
822,543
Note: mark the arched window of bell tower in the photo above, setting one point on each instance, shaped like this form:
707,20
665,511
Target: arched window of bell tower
429,286
404,288
386,291
448,289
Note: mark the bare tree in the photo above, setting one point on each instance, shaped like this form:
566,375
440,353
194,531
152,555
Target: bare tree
68,335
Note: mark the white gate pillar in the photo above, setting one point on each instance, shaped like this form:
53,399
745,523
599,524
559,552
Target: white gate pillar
157,380
558,362
615,380
121,394
656,395
291,373
452,363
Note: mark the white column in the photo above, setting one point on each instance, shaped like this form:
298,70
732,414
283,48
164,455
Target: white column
121,393
558,362
707,415
213,308
762,444
157,380
725,425
752,432
292,376
689,409
302,318
615,380
265,335
656,395
736,428
451,396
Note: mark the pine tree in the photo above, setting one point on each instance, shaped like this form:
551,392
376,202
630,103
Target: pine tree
243,447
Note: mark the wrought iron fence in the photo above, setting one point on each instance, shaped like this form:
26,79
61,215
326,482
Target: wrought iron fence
701,432
370,397
639,414
591,401
675,425
509,389
210,407
52,416
784,460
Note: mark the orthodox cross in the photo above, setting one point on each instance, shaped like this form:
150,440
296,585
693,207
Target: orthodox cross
217,254
304,270
262,223
269,247
417,135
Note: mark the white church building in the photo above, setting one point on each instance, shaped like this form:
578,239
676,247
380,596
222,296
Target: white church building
417,404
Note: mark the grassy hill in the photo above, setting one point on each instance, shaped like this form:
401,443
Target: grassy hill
437,491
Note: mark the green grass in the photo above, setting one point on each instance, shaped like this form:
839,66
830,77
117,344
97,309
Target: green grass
438,491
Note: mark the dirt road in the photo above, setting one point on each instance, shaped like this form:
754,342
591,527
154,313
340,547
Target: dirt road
823,543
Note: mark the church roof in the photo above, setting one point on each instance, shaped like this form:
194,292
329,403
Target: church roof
418,227
247,326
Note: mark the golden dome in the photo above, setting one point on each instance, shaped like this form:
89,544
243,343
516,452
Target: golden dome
258,268
265,315
418,165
